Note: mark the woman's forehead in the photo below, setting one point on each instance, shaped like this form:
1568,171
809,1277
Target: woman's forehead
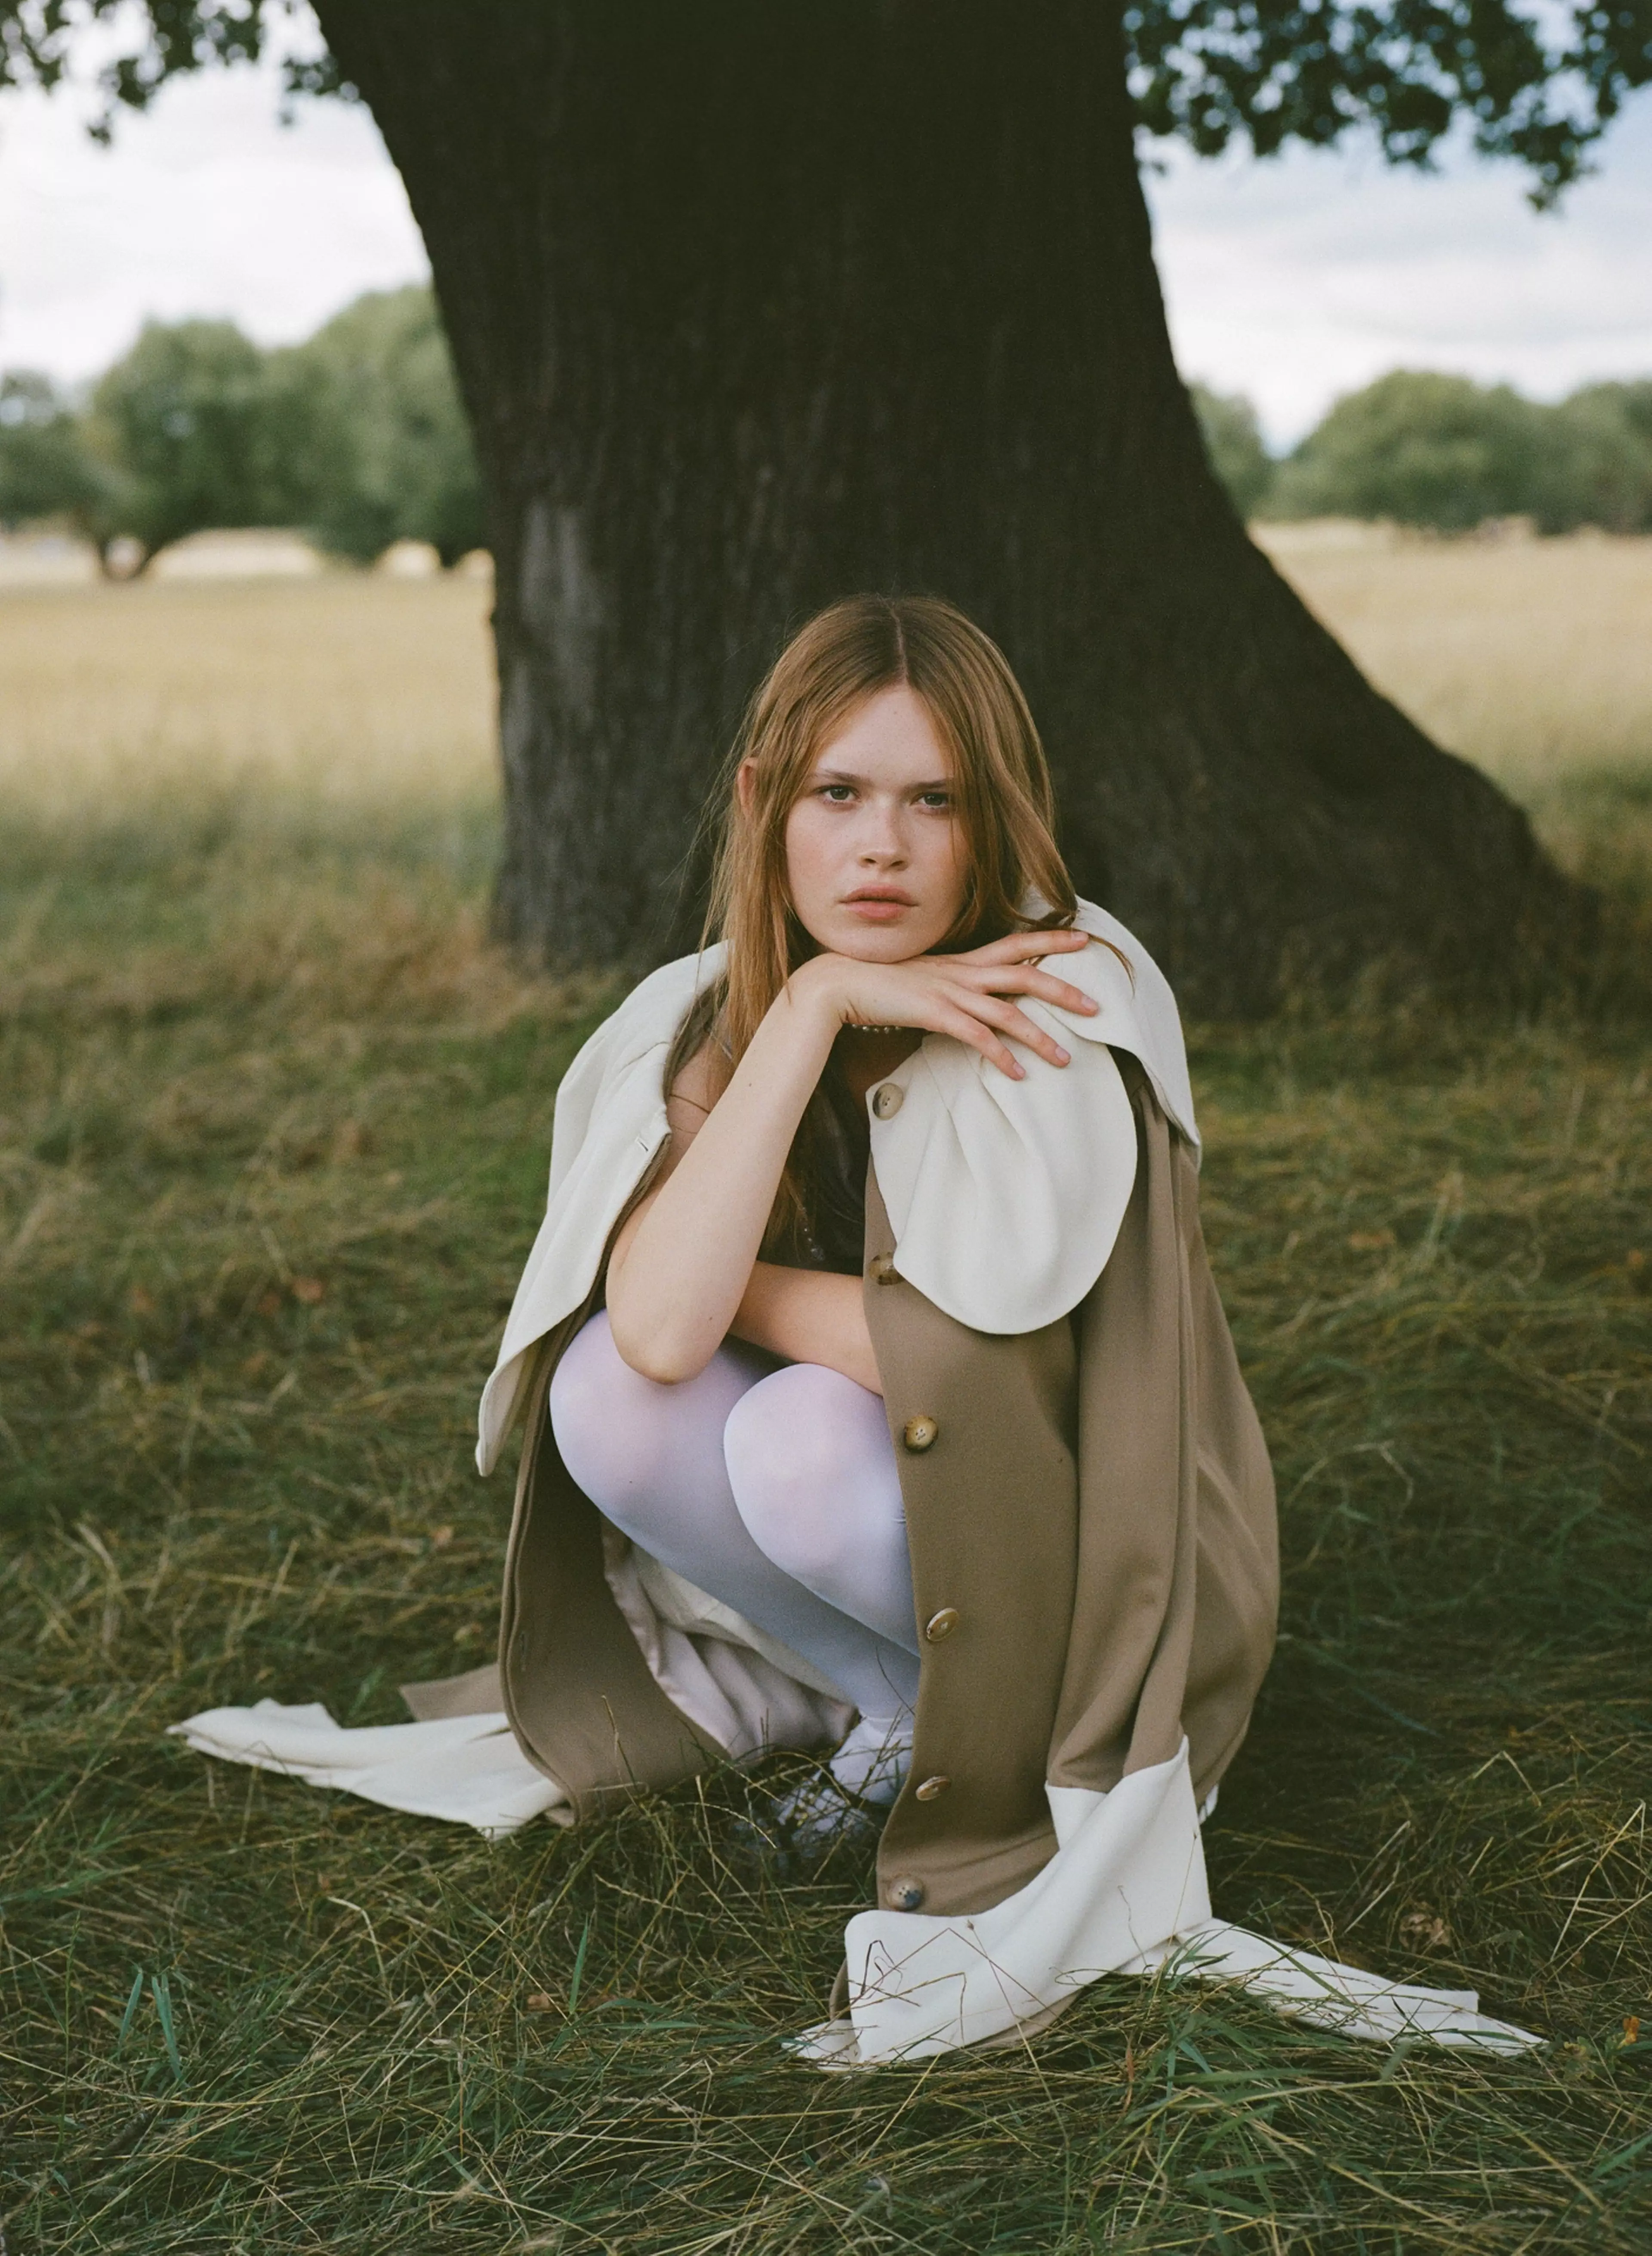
890,740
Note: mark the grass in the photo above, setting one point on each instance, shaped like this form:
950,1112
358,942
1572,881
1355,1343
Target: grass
1531,658
274,1122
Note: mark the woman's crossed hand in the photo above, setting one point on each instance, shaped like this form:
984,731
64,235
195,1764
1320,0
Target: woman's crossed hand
968,996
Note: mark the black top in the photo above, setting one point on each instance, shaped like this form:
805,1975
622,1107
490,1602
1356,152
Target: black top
835,1146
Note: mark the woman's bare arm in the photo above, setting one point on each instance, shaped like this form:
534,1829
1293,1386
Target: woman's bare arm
682,1268
809,1315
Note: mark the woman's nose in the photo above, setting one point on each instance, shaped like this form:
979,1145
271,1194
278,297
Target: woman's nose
881,840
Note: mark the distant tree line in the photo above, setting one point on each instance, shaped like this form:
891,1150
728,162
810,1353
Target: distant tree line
356,437
1440,451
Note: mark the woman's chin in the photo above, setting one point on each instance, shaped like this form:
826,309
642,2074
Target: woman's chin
877,945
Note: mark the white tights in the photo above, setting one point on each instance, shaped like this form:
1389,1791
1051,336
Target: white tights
774,1490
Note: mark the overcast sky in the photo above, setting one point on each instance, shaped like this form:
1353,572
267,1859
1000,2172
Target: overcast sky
1291,281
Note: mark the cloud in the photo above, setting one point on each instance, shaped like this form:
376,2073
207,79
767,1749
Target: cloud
1296,280
205,205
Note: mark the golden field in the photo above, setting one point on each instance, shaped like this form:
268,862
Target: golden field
346,692
1531,658
236,786
353,695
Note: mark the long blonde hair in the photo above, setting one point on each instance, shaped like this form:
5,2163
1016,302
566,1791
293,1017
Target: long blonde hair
844,656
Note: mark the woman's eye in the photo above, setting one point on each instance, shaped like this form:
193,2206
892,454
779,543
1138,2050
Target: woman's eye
838,794
939,800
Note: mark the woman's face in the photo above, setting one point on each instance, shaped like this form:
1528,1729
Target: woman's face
876,858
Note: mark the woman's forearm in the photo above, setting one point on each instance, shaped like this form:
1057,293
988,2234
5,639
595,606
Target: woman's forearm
809,1315
679,1273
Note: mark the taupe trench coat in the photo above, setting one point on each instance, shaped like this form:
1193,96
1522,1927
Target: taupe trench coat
1090,1514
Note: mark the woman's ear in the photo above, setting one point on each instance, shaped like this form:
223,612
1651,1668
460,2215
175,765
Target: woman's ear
745,785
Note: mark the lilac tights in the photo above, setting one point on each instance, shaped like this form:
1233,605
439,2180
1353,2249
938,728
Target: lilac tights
774,1489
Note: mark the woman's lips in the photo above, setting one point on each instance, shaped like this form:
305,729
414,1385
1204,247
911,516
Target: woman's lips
879,906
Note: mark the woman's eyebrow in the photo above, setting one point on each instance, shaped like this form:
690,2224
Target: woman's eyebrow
844,775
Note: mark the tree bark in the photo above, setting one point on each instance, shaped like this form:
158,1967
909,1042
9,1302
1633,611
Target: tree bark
756,303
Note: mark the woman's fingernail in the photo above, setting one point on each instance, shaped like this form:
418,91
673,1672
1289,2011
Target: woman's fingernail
1063,1057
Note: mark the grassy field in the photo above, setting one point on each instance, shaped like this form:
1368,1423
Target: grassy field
1531,658
273,1125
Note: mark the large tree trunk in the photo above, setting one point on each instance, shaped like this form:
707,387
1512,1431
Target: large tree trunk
759,302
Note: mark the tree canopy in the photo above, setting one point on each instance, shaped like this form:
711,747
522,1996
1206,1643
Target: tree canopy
1537,84
1233,441
181,415
1420,448
46,467
374,441
356,437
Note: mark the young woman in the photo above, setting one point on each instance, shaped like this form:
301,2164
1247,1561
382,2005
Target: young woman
876,1389
877,1396
725,1408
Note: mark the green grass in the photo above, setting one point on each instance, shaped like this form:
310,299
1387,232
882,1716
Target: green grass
273,1127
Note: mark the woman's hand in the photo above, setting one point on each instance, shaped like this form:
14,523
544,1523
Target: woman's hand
968,997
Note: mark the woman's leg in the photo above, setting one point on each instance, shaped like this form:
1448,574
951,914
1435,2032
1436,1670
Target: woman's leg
814,1480
651,1459
813,1477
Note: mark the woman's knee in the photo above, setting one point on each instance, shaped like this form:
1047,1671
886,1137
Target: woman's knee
610,1423
645,1454
588,1387
810,1463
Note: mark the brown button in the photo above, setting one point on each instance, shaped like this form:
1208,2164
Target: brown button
906,1893
888,1100
882,1267
919,1433
932,1789
940,1625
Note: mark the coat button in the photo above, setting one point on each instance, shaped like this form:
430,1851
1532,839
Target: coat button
919,1433
906,1893
940,1625
932,1789
888,1100
882,1267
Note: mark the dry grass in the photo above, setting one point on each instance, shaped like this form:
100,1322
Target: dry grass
232,787
345,699
272,1133
1531,658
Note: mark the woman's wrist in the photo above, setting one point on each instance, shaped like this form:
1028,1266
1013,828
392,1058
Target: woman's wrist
814,991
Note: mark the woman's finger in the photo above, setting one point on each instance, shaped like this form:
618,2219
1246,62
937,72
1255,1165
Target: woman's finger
1024,947
1015,1026
979,1036
1026,979
1064,997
